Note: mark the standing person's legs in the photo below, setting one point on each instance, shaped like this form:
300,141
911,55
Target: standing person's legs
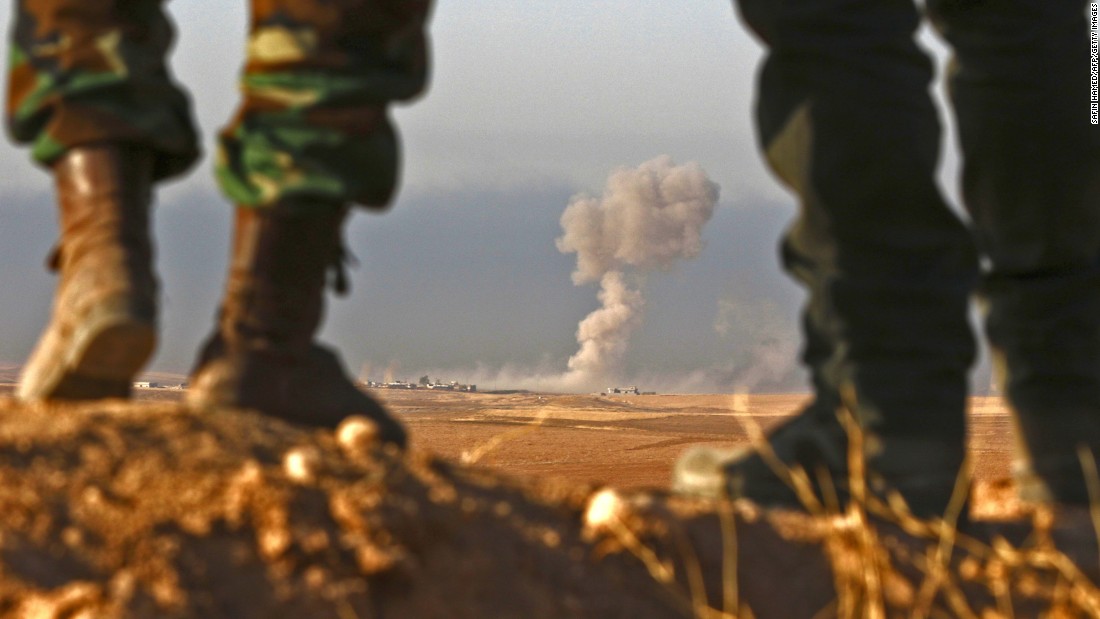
90,92
846,122
1031,181
312,138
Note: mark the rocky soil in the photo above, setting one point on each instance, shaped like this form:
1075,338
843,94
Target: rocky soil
145,509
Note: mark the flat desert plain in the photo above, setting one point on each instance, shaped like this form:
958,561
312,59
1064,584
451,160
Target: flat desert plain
632,441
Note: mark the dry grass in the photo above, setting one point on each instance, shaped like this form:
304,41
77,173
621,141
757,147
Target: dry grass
885,561
473,456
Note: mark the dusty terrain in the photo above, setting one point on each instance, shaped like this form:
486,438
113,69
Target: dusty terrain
147,509
632,441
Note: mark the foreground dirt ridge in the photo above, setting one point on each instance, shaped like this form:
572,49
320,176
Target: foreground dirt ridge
144,509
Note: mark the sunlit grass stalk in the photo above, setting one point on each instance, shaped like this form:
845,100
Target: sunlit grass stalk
1092,482
860,584
475,455
731,603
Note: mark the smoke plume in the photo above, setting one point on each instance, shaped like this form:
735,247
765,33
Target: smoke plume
604,334
648,218
766,346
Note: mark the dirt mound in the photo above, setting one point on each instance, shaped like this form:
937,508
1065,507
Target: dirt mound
127,510
147,510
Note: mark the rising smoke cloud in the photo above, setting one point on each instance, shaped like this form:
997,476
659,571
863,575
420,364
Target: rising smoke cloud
648,218
605,334
766,347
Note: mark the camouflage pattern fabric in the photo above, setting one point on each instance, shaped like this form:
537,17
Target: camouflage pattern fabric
312,126
85,71
313,123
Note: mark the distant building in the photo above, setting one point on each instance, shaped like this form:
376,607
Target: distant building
144,384
454,385
632,390
400,384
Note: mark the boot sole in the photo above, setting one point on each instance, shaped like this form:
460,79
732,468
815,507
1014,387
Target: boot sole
710,472
101,364
321,400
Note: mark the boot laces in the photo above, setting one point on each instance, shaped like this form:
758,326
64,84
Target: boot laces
341,259
53,259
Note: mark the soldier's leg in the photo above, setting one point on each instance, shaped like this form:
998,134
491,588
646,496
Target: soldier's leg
89,91
846,121
314,121
1031,180
311,138
93,71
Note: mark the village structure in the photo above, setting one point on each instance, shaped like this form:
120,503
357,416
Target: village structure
631,390
423,383
148,384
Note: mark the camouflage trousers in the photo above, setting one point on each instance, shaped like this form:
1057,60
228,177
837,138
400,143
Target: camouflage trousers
846,121
313,123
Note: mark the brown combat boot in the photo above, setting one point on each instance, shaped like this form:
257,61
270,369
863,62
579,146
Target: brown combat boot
262,355
103,327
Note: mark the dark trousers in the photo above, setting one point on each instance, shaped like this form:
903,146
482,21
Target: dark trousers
846,121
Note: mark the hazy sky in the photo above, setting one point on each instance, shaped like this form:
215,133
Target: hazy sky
530,104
